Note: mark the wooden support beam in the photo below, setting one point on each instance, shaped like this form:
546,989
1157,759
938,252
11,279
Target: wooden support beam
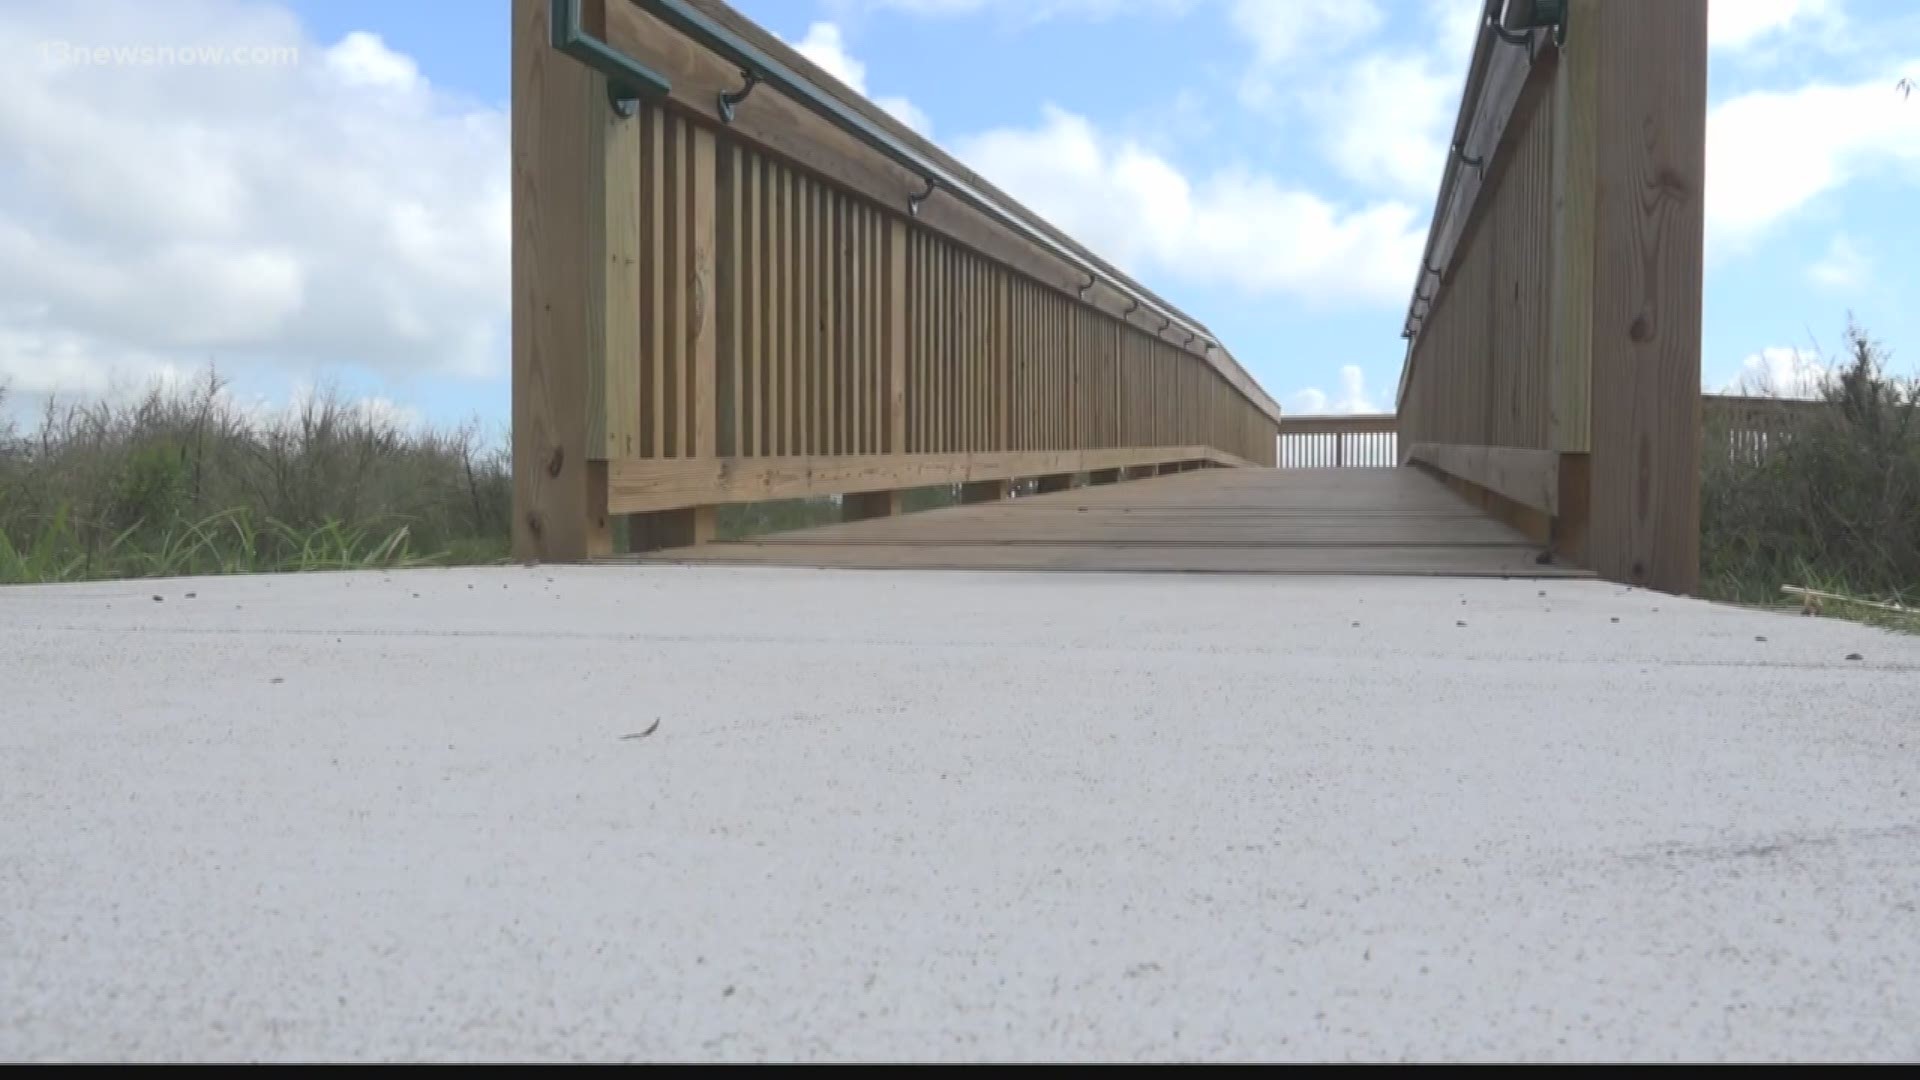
1528,477
1649,150
636,486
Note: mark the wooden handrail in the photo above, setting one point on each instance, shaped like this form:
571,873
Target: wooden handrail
712,303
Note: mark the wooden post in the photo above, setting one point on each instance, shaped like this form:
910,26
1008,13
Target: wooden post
572,264
1647,91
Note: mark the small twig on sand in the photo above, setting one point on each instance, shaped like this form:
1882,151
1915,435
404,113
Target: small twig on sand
1810,600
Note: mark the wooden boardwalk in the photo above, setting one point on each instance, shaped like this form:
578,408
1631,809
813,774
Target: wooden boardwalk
1306,521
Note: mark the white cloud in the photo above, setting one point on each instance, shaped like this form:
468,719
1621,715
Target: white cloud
1844,266
1384,120
1026,10
907,113
303,213
1381,114
1779,371
1456,27
1770,152
1282,30
1287,35
1232,228
826,45
1352,397
362,59
1740,24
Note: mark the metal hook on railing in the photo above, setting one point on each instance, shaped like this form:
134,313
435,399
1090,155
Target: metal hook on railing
1165,321
1189,342
1084,288
914,201
728,101
1470,162
1133,305
623,99
1539,13
1510,37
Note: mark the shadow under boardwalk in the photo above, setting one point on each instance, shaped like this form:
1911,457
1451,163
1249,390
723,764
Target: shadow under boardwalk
1281,521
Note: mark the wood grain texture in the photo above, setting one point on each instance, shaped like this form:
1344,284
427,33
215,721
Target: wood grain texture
663,484
1479,372
1576,103
613,368
559,509
779,126
1569,316
715,293
1528,477
1649,238
1368,521
702,288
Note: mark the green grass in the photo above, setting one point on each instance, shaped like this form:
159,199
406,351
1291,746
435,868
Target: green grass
182,480
1833,501
227,542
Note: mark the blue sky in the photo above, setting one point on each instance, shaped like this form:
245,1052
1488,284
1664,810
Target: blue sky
1269,165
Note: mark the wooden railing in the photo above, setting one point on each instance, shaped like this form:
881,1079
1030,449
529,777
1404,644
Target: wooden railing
1746,428
1553,360
1367,441
788,293
1735,426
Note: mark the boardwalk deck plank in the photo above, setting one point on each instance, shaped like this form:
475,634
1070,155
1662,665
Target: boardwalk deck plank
1307,521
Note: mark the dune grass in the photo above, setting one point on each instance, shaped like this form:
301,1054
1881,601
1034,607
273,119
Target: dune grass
1832,501
183,480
